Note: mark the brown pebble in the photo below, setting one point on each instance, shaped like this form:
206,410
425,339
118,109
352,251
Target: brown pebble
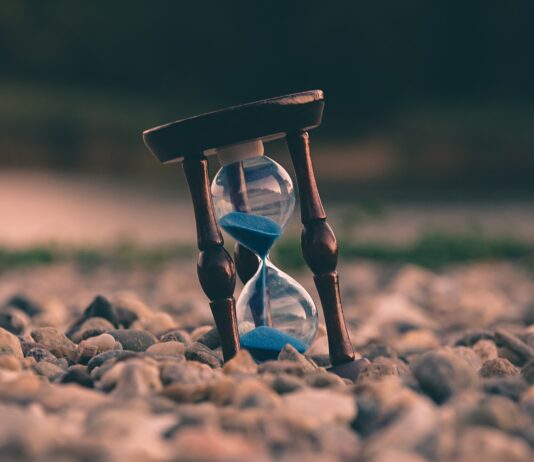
515,344
498,367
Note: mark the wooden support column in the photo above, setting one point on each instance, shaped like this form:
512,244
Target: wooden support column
319,248
216,270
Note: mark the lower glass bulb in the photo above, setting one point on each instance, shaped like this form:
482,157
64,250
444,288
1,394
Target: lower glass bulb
274,310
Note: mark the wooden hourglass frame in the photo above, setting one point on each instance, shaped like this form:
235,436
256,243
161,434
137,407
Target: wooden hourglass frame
290,116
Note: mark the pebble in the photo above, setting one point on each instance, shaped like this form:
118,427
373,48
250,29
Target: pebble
382,367
223,390
376,401
157,324
490,445
512,386
128,306
90,328
283,367
527,401
339,441
40,354
373,350
176,335
113,355
416,341
396,455
60,398
515,344
102,342
78,374
323,379
322,360
171,348
100,307
527,372
320,407
193,415
85,353
201,353
211,339
133,340
10,345
136,377
498,412
473,336
59,345
417,422
186,373
290,353
468,355
241,363
24,304
216,446
14,321
485,349
48,370
199,332
252,393
286,383
21,388
498,367
441,374
414,282
10,362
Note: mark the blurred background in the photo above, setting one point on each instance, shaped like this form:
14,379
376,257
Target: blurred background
425,153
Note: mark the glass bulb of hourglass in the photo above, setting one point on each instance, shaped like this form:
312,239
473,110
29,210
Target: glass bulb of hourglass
254,199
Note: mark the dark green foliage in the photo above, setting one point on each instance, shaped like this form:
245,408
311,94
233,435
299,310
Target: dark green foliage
432,250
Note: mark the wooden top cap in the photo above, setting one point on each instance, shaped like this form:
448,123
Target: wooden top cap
267,119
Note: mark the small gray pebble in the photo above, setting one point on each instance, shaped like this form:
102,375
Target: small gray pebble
286,383
133,340
211,339
201,353
498,367
176,335
78,374
441,374
512,386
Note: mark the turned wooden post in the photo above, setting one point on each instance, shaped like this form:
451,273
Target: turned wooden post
319,248
216,270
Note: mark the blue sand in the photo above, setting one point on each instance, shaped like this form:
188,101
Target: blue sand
258,234
266,342
253,231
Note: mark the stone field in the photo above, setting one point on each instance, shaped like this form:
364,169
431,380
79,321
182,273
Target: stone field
123,364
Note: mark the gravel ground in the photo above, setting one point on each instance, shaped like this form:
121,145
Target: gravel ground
138,376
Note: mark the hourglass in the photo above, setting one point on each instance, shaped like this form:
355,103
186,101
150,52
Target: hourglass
252,198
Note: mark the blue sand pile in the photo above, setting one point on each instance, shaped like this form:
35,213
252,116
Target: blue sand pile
267,342
253,231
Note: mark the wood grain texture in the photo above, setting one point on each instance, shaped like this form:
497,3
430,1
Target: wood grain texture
266,119
216,270
319,248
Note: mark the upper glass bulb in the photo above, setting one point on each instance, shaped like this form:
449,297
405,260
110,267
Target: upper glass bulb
255,185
